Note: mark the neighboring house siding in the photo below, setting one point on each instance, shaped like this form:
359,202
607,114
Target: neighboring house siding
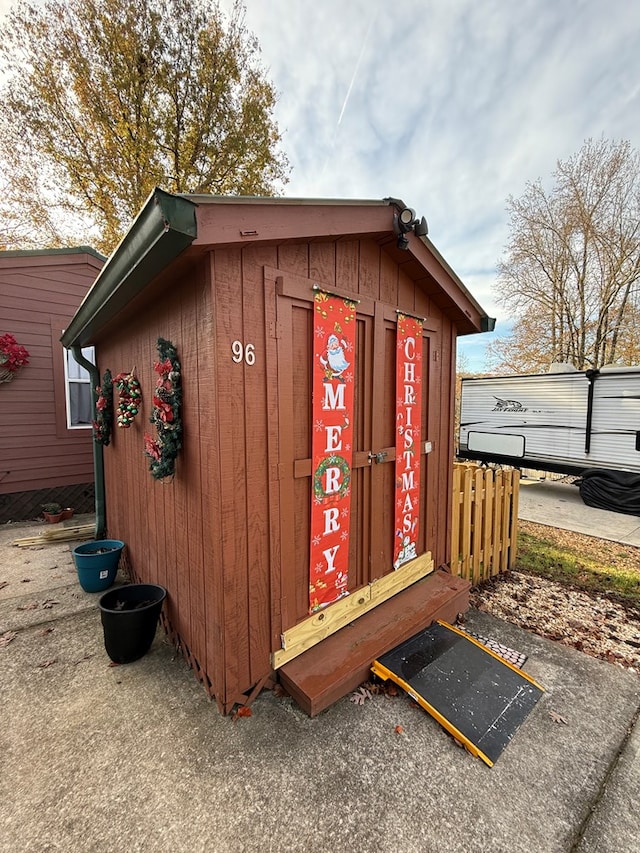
39,293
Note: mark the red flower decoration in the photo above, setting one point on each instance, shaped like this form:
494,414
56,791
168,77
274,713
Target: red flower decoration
151,447
12,355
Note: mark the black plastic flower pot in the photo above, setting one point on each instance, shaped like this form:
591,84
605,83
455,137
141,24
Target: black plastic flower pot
129,619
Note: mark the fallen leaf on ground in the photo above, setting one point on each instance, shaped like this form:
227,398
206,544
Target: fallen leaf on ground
6,638
46,663
398,730
48,604
360,696
45,631
557,718
25,580
3,584
243,711
88,656
32,606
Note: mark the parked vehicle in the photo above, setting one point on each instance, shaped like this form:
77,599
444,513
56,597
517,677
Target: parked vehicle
565,421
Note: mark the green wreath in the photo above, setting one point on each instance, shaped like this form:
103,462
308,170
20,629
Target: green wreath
331,462
167,417
104,410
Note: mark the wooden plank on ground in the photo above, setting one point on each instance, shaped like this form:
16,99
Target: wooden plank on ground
60,534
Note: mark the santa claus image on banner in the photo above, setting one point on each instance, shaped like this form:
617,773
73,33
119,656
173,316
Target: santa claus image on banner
333,359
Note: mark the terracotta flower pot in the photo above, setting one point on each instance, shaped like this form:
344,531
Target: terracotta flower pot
52,518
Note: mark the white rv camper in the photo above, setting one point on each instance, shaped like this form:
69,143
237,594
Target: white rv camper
560,421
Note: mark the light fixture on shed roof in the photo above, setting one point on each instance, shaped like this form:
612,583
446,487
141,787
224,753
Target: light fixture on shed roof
406,221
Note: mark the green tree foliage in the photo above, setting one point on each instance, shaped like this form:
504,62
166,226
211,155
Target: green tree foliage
106,99
570,275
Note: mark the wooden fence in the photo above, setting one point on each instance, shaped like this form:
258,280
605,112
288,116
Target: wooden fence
484,535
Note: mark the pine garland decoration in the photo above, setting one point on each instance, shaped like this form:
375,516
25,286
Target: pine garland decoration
104,410
167,402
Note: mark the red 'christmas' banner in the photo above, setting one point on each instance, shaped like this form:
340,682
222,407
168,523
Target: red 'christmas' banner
408,419
333,381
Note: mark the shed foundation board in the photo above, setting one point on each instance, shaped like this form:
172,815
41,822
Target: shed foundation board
477,696
337,665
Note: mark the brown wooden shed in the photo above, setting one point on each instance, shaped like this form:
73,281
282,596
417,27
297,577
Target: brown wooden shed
237,285
43,454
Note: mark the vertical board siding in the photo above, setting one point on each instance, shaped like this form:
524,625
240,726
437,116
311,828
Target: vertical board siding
187,333
300,394
257,464
446,366
164,523
361,269
228,319
322,263
210,375
347,265
272,447
39,295
369,279
229,535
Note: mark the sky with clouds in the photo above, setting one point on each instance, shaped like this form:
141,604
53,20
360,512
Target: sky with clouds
451,105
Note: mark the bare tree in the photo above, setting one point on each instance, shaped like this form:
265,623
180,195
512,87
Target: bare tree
571,270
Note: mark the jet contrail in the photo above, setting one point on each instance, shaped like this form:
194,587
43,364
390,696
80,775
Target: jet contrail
355,71
347,96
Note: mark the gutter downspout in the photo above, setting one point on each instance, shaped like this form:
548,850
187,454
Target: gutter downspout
98,457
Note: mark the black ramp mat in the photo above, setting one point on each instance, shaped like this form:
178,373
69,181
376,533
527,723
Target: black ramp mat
477,696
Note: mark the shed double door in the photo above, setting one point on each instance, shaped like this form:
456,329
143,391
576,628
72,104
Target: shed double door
371,541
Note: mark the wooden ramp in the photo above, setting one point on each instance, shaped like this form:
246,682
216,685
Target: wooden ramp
328,671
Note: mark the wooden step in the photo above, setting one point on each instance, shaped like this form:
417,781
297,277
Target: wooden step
336,666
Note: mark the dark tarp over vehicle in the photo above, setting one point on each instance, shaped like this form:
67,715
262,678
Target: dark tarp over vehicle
617,491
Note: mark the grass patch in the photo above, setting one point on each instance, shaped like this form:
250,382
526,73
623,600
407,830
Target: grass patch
600,571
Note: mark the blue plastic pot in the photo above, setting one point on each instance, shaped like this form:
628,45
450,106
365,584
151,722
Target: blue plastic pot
97,563
129,619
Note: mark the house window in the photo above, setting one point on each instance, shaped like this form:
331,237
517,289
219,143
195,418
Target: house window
78,390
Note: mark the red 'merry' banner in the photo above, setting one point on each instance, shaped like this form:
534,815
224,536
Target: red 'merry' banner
408,419
332,447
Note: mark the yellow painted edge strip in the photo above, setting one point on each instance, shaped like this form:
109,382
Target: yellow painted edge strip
492,653
319,626
386,674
